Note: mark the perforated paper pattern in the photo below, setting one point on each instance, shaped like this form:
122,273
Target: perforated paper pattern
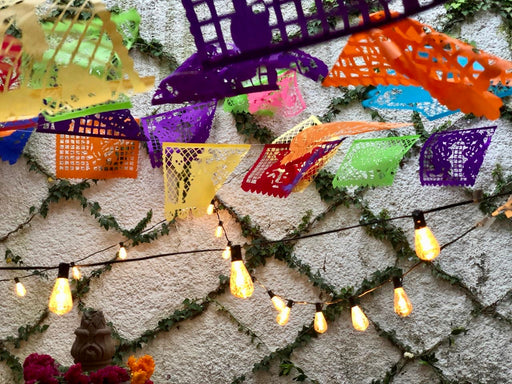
287,101
191,82
11,147
10,60
291,133
410,53
372,162
114,124
268,176
18,124
83,157
454,157
65,67
190,124
279,25
193,173
236,104
305,141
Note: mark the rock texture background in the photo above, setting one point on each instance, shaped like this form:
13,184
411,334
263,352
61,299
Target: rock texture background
458,332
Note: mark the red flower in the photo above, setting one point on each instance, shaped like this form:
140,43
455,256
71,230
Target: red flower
40,369
74,375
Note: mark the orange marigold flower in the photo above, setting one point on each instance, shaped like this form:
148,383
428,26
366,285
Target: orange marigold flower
141,368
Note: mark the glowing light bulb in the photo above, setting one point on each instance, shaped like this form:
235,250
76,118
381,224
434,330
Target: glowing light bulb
279,304
359,320
122,252
284,315
75,272
210,209
425,244
226,253
219,231
61,301
240,282
402,304
320,323
19,288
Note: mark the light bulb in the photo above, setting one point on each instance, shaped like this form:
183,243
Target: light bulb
425,244
122,252
19,288
279,304
320,324
284,315
226,253
61,301
219,231
240,282
75,272
402,304
359,320
210,209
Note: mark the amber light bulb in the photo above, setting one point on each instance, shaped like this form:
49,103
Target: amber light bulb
219,231
320,323
61,301
402,304
279,304
359,320
226,253
210,209
240,282
283,316
122,254
75,272
425,244
19,288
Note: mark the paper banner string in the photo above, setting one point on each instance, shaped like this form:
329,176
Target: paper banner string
190,124
193,173
11,147
270,26
114,124
10,126
83,157
454,157
66,68
287,101
291,133
505,208
191,82
411,53
268,176
10,60
306,140
236,104
372,162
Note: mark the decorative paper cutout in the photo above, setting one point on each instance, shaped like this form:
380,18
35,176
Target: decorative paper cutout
306,140
114,124
372,162
277,25
268,176
291,133
18,124
11,147
192,82
193,173
190,124
410,53
236,104
99,70
286,102
10,60
83,157
505,208
455,157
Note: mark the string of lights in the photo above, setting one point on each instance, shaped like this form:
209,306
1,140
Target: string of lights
242,283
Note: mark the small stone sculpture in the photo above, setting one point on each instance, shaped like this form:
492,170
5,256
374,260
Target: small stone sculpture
93,346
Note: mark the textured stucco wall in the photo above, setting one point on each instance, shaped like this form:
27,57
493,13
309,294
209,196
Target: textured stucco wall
209,348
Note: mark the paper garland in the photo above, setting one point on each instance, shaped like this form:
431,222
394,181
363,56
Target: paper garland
372,162
83,157
454,158
55,77
11,146
114,124
192,82
411,53
18,124
236,104
190,124
193,173
275,25
306,140
288,136
269,176
505,208
10,60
